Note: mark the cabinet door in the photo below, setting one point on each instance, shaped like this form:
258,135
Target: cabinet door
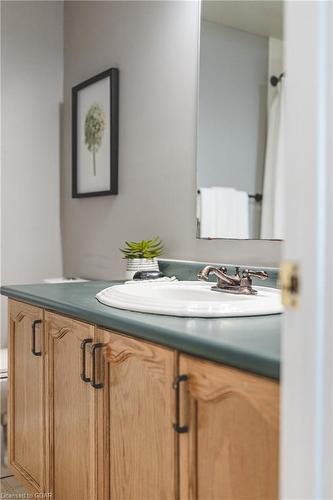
71,410
231,449
139,403
26,395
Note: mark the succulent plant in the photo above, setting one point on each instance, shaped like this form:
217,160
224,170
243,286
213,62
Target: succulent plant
144,249
93,130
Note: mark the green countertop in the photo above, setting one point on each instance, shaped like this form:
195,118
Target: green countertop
249,343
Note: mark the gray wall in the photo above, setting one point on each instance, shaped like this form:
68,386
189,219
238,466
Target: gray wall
154,44
32,91
232,107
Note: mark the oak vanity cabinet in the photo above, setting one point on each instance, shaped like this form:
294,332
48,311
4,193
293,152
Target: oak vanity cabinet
72,417
97,415
26,446
231,448
140,443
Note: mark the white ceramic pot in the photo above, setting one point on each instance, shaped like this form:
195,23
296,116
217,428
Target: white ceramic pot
134,265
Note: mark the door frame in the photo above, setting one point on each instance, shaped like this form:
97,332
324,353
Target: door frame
307,341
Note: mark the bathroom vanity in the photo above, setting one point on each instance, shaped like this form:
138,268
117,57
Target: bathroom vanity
110,404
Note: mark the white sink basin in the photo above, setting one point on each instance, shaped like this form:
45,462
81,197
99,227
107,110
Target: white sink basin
190,299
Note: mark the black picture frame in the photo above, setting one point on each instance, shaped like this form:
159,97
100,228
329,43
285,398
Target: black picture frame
113,75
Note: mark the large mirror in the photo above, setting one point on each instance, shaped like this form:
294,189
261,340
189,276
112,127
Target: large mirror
240,120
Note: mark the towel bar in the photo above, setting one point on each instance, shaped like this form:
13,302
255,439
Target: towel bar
257,197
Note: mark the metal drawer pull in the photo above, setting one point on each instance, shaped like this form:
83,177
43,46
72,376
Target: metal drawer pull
83,359
93,349
33,337
179,428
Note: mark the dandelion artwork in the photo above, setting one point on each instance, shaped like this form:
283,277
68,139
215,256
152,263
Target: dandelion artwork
93,129
95,136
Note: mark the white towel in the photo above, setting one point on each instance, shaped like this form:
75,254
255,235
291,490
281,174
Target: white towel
224,213
241,214
207,213
224,199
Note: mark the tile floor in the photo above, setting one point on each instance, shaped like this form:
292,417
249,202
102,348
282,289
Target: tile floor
11,489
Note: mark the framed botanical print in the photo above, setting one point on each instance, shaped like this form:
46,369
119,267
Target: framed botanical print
95,135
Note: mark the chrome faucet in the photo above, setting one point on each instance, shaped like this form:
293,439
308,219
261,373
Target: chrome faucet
240,283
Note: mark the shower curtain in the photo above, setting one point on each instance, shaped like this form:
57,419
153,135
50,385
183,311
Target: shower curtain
272,219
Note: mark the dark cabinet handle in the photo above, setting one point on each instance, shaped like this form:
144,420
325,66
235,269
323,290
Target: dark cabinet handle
93,350
33,337
179,428
83,359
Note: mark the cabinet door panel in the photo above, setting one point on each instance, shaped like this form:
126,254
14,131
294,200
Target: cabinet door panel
231,450
26,396
72,411
141,411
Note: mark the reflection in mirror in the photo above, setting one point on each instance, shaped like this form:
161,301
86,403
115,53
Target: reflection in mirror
240,120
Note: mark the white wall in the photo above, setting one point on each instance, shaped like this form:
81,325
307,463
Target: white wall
32,93
155,47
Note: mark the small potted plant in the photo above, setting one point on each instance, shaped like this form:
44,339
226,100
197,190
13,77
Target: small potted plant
142,255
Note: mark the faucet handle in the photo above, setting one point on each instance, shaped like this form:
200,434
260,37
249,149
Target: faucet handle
237,272
260,275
